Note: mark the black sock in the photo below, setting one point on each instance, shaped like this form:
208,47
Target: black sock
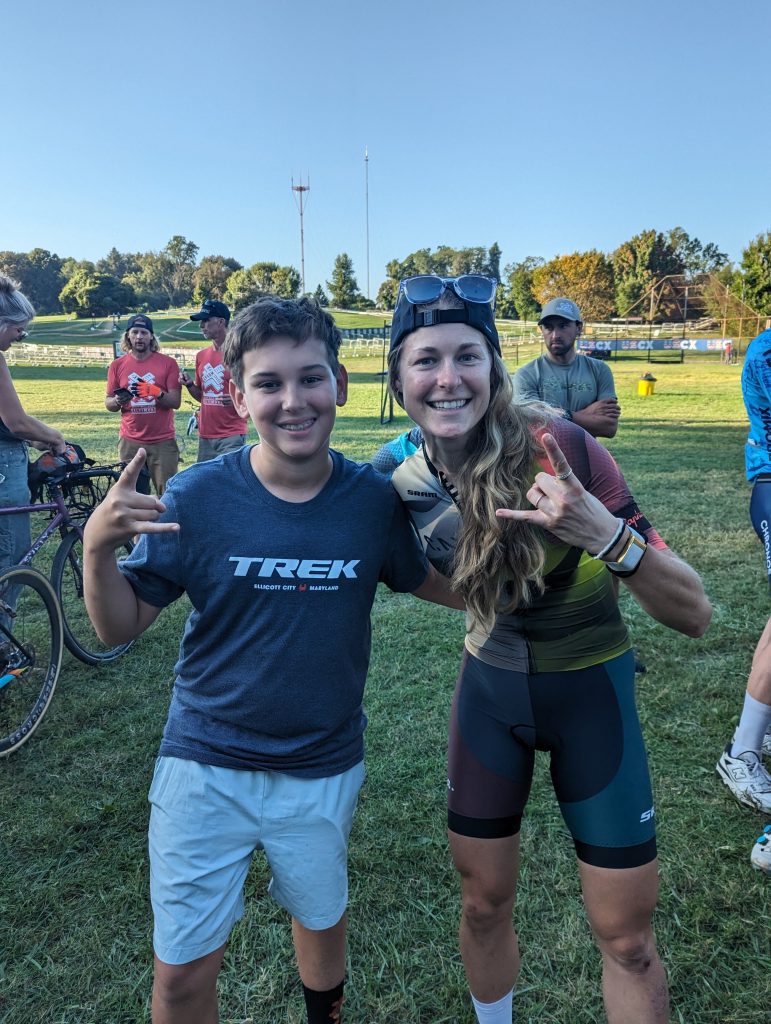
324,1007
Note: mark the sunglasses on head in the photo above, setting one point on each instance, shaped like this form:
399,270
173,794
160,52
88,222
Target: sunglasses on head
469,287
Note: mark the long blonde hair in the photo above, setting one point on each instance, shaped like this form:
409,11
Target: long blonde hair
498,563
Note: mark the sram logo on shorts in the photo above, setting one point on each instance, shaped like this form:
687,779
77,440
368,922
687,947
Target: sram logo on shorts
295,568
647,815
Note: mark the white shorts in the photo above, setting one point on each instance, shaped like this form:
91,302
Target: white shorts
205,824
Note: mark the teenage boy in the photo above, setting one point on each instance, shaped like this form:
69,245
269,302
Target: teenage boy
143,386
263,745
220,428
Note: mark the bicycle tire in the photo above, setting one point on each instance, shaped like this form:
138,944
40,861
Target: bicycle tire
31,655
80,637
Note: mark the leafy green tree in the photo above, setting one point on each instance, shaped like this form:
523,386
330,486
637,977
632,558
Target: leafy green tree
695,257
756,267
321,296
70,266
584,277
45,280
285,282
493,267
210,277
39,274
387,294
95,294
118,264
147,283
343,289
243,288
519,280
645,258
263,275
177,266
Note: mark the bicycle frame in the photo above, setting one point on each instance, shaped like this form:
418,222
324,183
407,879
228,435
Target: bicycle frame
60,521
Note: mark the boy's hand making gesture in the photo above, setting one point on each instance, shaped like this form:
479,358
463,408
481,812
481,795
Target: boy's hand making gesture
125,512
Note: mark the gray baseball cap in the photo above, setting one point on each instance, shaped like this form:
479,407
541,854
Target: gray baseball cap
565,308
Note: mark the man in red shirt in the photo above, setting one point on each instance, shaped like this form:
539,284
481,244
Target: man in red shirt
220,428
143,386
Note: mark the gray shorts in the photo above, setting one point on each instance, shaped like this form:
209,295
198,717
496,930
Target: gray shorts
205,824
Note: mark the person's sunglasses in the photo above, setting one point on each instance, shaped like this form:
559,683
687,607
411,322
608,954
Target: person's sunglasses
469,287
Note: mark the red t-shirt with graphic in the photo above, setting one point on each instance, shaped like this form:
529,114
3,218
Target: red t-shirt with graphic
143,419
217,417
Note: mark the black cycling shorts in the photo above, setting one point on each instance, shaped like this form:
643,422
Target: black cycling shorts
587,720
760,514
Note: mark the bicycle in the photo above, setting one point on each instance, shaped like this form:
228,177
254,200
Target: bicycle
37,616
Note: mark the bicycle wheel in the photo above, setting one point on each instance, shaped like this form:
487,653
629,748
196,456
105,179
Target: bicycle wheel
30,653
80,637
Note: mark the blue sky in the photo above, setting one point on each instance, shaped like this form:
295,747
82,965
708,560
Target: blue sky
548,128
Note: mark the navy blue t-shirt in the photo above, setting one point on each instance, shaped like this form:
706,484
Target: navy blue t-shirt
274,656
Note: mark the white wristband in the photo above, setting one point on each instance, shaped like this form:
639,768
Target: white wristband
612,543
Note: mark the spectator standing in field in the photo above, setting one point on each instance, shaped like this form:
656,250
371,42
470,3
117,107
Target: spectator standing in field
17,429
740,765
259,752
533,518
143,386
583,387
220,428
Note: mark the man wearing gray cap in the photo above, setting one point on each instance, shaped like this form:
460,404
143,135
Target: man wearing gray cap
580,385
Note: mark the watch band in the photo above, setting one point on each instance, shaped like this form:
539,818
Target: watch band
629,560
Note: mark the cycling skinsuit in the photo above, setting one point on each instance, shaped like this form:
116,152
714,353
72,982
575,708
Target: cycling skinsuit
756,391
557,676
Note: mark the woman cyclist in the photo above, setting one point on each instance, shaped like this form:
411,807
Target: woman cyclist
534,522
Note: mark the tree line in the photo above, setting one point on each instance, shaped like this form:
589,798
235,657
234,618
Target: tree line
604,285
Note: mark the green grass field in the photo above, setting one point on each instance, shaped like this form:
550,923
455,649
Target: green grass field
76,946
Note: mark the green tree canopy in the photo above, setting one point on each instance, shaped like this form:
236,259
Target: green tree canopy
210,277
343,288
177,264
519,301
94,294
118,264
242,289
39,274
321,296
756,265
695,257
645,258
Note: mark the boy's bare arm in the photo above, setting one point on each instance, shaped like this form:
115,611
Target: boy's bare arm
117,613
436,588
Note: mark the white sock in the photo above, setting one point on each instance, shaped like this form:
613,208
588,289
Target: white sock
498,1012
753,725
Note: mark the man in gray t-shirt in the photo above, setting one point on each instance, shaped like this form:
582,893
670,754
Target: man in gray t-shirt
580,385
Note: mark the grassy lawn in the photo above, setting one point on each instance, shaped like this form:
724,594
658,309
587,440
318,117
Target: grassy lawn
76,945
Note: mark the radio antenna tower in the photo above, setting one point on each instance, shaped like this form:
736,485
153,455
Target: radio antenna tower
300,191
366,204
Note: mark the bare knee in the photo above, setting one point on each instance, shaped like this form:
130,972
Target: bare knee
633,952
180,986
486,909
